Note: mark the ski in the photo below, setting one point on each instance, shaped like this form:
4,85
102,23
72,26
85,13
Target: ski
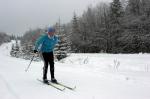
53,85
65,86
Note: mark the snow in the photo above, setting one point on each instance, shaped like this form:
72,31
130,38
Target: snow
96,76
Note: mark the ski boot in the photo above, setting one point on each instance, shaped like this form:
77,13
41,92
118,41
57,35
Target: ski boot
45,81
53,80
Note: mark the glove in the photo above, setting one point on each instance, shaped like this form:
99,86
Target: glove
35,51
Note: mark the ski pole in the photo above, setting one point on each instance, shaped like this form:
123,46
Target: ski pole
30,63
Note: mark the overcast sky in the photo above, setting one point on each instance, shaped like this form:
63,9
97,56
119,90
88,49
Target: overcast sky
18,16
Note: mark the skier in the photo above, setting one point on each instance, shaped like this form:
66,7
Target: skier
45,45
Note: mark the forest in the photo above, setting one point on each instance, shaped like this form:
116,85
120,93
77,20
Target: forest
122,26
118,27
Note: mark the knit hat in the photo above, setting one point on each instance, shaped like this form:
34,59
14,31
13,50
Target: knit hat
50,29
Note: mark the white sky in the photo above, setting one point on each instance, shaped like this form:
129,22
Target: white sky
18,16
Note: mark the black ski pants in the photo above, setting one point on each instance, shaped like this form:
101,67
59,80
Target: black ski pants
48,59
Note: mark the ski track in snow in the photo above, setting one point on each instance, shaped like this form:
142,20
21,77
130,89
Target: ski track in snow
96,76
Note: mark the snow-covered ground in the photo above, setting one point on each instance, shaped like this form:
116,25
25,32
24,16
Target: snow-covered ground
96,76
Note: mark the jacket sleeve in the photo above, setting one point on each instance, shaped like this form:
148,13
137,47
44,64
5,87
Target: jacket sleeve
56,39
39,42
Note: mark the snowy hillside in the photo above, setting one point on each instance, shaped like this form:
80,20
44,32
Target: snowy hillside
96,76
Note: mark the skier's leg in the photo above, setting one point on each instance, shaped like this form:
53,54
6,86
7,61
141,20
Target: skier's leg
52,68
51,62
45,68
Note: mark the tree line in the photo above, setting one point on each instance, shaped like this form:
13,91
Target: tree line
4,38
122,26
118,27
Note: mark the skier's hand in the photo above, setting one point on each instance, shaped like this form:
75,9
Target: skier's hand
35,51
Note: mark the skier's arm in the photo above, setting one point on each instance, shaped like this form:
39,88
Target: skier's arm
56,39
38,43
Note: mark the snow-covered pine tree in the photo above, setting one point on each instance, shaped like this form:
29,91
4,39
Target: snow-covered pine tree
62,48
15,49
115,24
76,36
27,50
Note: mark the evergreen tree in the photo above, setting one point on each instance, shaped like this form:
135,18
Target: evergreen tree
89,31
62,48
15,49
133,7
115,27
75,34
145,7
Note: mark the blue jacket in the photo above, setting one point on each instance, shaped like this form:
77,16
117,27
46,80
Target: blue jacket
46,44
